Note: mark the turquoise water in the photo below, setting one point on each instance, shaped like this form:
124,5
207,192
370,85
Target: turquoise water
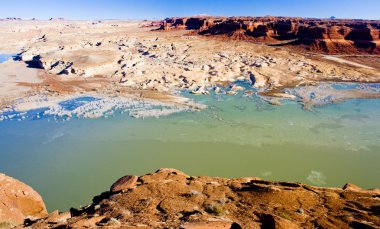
5,57
68,162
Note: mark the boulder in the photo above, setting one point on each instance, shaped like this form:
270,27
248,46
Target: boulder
272,221
124,183
354,188
18,202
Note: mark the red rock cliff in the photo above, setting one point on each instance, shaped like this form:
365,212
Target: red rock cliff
321,35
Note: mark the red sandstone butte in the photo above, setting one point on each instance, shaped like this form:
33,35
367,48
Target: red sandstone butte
317,35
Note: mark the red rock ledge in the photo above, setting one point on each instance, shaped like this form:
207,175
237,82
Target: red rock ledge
169,198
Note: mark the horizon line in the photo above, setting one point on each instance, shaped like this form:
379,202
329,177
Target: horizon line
197,15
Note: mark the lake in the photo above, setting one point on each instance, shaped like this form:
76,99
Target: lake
69,162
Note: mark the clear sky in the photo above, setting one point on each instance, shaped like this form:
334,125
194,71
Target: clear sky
158,9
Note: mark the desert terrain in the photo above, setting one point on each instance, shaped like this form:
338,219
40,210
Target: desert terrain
105,65
153,61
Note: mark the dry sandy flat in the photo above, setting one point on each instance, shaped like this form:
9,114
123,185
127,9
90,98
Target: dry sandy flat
12,76
343,61
372,61
120,58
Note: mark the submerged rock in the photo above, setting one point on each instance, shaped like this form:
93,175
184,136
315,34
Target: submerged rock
200,91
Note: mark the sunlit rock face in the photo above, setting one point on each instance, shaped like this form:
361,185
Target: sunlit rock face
322,35
18,201
170,198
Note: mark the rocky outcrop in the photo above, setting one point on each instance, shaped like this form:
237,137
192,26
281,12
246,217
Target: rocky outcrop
18,202
322,35
170,198
195,23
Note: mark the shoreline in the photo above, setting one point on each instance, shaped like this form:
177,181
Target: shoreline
140,105
130,58
99,106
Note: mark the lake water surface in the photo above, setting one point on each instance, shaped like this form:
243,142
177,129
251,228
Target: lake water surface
68,162
5,57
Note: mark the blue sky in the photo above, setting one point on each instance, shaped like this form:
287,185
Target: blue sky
149,9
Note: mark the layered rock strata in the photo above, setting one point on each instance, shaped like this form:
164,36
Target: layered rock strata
321,35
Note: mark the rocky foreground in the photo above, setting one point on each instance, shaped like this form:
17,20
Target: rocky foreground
169,198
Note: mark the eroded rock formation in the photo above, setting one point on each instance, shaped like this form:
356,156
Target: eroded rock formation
62,59
170,198
322,35
18,201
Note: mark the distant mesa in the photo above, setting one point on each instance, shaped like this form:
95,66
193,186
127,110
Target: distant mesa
57,19
11,19
32,19
151,24
17,19
318,35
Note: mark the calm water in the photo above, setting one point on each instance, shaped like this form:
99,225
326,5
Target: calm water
70,162
5,57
